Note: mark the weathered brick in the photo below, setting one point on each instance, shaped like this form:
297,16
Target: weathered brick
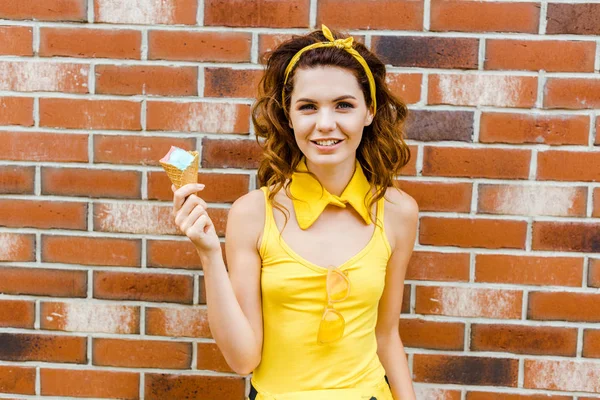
43,214
436,335
91,250
566,236
516,396
482,90
564,375
227,47
427,125
577,19
42,146
48,348
144,150
16,40
228,82
533,128
528,270
564,306
198,117
532,200
43,282
148,12
16,314
403,15
141,353
226,153
539,340
476,16
92,43
465,370
17,247
427,52
583,166
469,302
90,317
91,182
473,232
476,162
180,322
432,266
146,79
35,76
272,14
143,287
572,93
90,383
165,386
547,55
407,86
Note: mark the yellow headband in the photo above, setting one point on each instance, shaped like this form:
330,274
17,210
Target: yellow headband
345,44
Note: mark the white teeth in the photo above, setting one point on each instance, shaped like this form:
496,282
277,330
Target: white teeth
327,142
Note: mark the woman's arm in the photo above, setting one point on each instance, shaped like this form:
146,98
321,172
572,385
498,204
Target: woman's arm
403,215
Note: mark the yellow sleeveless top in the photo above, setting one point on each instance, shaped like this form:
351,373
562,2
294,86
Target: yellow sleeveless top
294,366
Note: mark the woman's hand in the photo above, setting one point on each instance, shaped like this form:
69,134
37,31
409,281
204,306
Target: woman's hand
191,218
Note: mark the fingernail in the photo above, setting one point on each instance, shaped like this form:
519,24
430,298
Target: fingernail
200,186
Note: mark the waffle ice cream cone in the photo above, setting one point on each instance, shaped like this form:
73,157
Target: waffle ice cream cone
182,177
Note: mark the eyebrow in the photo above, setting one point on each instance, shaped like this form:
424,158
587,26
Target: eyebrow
337,99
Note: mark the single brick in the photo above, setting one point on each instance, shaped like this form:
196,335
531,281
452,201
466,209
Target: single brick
17,247
229,47
475,16
180,322
172,254
591,343
435,335
563,375
482,90
594,273
402,15
43,76
427,125
43,282
547,55
141,353
220,187
532,200
147,80
469,302
43,214
538,340
432,266
439,196
518,128
529,270
16,111
17,380
465,370
17,314
90,317
118,252
407,86
473,232
198,117
228,82
144,150
572,93
143,287
427,52
265,13
211,358
16,40
92,43
227,153
564,306
91,182
48,348
566,236
583,166
146,12
90,383
476,162
47,10
577,19
42,146
166,386
90,114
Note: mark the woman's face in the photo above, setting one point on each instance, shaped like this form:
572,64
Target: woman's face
328,106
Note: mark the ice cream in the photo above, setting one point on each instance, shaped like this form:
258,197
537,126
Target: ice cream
181,166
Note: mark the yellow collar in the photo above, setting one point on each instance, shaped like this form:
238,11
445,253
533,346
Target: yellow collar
311,198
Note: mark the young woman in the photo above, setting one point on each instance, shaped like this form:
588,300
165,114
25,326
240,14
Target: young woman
317,256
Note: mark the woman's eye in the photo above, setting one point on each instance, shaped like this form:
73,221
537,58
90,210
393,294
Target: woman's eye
340,104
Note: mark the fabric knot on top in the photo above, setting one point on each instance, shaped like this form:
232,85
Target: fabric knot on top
310,198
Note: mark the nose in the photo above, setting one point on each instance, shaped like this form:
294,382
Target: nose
325,120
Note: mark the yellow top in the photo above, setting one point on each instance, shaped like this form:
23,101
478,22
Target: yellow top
294,366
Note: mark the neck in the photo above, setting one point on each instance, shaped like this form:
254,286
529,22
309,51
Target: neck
333,177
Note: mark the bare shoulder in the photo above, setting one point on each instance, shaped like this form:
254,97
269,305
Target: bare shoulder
247,215
401,213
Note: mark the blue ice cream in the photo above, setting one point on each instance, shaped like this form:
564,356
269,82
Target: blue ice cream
179,158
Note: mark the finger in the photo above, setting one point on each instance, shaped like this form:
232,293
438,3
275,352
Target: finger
173,188
183,192
202,224
192,217
191,202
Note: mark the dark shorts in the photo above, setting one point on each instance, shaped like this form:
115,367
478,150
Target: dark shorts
253,391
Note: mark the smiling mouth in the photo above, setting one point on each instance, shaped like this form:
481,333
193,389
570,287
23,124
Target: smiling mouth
325,143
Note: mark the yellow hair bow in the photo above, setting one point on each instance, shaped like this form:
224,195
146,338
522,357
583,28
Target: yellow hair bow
345,44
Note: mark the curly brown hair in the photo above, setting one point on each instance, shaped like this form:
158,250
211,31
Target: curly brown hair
382,151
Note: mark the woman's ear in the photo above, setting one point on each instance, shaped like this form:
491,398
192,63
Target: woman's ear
368,118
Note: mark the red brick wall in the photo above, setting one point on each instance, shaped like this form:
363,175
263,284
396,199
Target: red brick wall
101,296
